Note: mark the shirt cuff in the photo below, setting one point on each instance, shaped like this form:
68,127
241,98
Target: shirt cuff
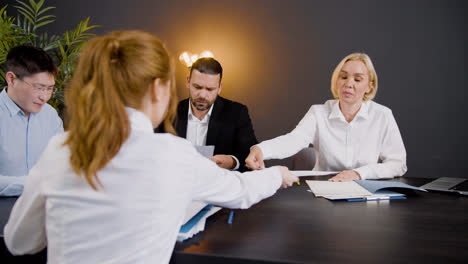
264,149
237,163
363,172
279,178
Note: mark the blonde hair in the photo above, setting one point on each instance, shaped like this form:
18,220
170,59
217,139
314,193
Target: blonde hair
113,71
371,72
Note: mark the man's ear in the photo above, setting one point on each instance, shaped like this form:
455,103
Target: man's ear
187,84
9,77
220,87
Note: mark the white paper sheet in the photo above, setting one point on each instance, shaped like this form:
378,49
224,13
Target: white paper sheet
200,226
192,210
206,151
338,189
313,173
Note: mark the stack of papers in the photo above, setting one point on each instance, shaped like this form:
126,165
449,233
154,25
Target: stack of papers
195,218
197,212
361,190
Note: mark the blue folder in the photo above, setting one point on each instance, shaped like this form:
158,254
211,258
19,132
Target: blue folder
379,190
194,220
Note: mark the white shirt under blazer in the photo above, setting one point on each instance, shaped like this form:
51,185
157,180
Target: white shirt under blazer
136,216
197,130
370,144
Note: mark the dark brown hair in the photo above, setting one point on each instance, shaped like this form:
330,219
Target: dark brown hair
26,60
209,66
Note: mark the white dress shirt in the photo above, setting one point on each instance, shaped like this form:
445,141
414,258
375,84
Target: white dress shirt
136,216
197,130
370,144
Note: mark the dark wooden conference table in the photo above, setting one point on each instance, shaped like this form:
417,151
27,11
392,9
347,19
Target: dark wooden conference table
295,227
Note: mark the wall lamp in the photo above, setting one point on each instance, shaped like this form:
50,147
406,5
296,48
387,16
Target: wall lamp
188,58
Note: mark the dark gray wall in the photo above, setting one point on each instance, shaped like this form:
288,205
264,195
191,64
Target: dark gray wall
278,58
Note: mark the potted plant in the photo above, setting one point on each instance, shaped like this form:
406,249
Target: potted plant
64,49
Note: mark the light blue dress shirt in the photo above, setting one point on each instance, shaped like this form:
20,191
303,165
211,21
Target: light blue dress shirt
22,140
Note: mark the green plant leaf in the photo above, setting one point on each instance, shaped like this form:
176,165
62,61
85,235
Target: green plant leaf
18,24
45,10
42,24
26,15
62,50
3,12
31,10
32,3
39,4
29,27
44,17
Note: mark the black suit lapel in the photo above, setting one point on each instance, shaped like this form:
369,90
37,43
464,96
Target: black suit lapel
182,117
214,126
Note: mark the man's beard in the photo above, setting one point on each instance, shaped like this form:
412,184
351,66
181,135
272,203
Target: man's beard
201,107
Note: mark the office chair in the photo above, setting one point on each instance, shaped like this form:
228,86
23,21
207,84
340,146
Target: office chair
304,159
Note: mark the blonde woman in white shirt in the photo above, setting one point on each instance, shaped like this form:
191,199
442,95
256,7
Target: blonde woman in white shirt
351,134
109,190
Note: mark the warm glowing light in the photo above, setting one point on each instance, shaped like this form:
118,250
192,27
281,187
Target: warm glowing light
185,59
206,54
188,59
194,58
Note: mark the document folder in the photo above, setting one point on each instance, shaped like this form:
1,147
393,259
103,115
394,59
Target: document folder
196,223
361,190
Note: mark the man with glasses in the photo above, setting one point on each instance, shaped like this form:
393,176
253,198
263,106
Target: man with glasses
27,122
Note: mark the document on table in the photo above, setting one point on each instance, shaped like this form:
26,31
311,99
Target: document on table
359,190
206,151
195,219
193,209
375,186
313,173
342,189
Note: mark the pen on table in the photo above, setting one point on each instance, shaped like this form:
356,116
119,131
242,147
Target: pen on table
231,216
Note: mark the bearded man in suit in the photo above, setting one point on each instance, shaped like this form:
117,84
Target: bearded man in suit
205,118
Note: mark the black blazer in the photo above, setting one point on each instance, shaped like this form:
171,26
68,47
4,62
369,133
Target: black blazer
230,129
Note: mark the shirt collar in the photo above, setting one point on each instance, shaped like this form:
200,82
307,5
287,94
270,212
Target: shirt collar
336,112
139,121
10,105
364,111
191,116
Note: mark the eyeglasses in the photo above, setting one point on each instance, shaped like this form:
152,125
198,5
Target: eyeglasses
40,88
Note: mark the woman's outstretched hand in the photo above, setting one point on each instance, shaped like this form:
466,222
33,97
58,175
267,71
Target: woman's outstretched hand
255,159
288,178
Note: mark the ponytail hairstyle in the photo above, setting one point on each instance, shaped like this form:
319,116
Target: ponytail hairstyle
114,71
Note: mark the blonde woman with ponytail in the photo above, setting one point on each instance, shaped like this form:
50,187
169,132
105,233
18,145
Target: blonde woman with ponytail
109,190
